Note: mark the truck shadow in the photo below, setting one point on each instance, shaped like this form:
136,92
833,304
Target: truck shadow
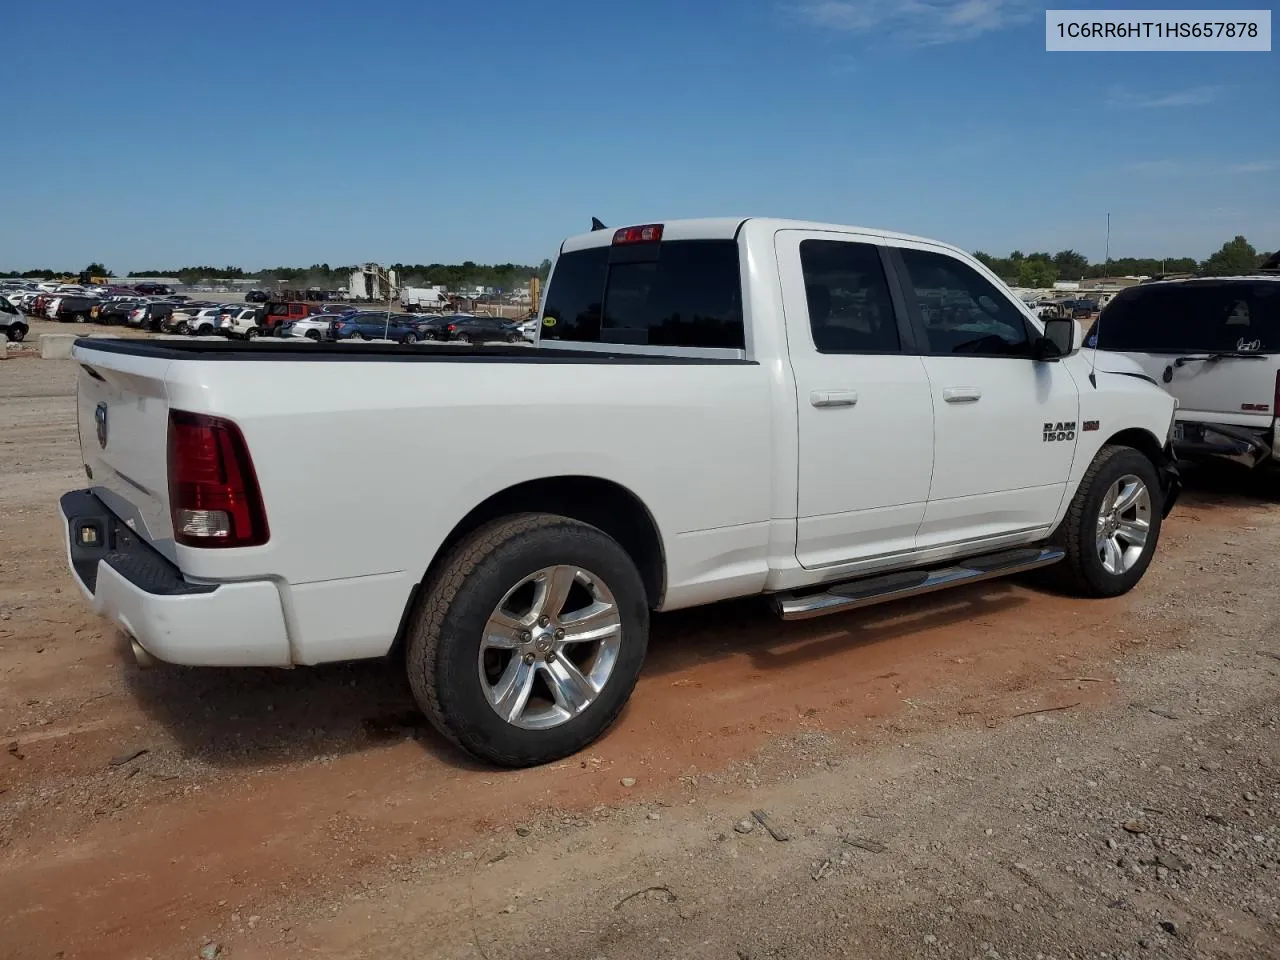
264,717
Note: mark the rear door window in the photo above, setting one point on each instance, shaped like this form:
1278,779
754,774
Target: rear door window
1193,318
850,309
689,294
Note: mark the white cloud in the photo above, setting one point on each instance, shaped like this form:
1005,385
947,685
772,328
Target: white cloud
1216,168
1256,166
1192,97
914,21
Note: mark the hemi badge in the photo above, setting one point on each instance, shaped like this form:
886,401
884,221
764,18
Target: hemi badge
1091,425
1255,407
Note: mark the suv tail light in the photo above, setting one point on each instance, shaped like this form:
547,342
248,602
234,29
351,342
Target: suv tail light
213,491
452,328
649,233
1275,399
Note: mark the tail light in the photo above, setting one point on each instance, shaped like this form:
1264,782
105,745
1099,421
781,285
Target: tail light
452,328
649,233
1275,399
213,491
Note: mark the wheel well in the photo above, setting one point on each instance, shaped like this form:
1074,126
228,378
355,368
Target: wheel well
1141,440
602,503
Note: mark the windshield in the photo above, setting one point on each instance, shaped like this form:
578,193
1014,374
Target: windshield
1232,317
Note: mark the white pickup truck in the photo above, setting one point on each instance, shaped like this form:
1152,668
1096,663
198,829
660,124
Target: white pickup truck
827,416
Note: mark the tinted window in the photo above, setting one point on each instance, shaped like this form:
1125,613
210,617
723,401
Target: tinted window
1193,317
963,312
850,310
689,296
573,300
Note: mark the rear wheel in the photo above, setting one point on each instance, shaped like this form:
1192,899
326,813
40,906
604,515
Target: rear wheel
312,335
15,332
529,639
464,338
251,333
1112,527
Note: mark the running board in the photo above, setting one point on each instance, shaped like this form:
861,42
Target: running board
853,594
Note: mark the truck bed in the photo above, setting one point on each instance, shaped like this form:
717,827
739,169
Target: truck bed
299,349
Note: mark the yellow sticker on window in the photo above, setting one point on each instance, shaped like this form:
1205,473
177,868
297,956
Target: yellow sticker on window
548,321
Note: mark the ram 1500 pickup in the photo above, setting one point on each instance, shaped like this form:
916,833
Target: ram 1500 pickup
826,416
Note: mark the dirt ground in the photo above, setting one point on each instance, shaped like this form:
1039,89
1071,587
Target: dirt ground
996,772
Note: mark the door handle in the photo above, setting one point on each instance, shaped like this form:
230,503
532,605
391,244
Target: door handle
961,394
833,398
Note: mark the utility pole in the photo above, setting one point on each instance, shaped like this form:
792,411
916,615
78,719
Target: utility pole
1106,264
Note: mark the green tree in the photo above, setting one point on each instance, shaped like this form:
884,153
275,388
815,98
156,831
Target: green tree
544,270
96,269
1236,257
1071,265
1037,272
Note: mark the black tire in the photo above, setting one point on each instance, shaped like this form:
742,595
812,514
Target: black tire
15,332
312,335
428,335
464,338
444,641
1082,571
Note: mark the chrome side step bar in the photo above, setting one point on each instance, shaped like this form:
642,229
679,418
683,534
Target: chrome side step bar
853,594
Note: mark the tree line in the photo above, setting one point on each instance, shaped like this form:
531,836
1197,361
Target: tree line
1236,256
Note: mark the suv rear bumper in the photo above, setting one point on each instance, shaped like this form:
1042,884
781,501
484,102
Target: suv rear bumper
196,624
1220,441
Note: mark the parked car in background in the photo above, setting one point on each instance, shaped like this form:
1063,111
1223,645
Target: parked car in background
115,311
279,312
468,329
238,323
153,289
374,326
150,316
205,321
179,321
430,327
1215,345
257,296
12,323
315,327
73,308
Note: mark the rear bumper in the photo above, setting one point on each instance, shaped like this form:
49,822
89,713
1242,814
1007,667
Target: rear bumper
1219,441
196,624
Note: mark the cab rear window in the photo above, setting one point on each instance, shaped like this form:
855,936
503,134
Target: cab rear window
687,294
1193,318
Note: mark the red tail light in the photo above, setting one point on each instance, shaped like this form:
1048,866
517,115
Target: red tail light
649,233
452,327
213,491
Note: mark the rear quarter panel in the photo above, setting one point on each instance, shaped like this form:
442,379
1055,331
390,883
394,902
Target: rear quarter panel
365,468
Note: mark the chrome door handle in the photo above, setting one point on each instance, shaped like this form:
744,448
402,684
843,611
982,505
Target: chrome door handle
961,394
833,398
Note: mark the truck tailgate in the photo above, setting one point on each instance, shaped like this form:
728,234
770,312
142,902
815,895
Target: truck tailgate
122,412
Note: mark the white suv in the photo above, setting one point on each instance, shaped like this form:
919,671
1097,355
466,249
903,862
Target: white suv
1215,345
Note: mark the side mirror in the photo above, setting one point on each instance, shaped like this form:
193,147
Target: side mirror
1058,340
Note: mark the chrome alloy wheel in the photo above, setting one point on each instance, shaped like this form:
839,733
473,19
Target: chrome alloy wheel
549,647
1124,522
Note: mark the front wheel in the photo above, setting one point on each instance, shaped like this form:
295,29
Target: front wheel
15,333
312,335
529,639
1112,527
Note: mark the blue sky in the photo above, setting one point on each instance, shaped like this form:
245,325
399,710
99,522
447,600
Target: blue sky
150,134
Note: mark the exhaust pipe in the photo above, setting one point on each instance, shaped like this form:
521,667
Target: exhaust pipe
145,660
